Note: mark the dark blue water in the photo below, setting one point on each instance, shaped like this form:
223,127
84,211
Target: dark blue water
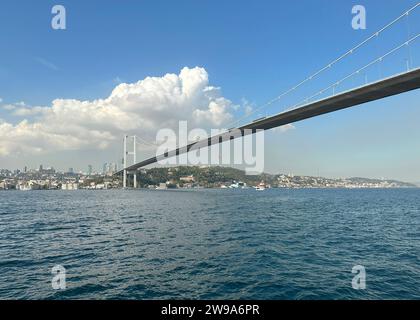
210,244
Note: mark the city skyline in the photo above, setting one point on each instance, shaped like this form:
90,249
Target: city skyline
65,115
108,169
179,177
90,169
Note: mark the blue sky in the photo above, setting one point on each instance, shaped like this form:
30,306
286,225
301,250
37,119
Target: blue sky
252,50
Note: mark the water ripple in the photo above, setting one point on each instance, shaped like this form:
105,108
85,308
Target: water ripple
210,244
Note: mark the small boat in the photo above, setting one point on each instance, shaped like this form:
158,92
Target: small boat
260,187
25,188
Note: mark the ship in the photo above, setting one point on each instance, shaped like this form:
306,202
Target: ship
261,186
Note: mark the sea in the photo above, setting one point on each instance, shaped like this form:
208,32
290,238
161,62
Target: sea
210,244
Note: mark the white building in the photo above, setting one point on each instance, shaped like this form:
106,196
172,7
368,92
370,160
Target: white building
70,186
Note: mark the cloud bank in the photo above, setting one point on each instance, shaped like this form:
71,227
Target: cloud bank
141,108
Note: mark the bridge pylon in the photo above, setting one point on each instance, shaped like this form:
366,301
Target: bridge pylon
128,153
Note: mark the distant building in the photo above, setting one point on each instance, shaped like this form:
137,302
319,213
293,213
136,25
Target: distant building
90,169
109,168
187,179
69,186
49,170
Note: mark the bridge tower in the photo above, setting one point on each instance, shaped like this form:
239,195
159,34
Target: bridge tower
125,159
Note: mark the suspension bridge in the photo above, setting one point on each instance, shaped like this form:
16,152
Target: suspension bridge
322,102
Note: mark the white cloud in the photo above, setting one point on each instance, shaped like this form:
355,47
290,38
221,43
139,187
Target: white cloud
248,107
21,109
248,110
9,107
14,106
23,112
141,108
284,128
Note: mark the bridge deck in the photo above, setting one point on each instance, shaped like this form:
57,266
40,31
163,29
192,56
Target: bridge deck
384,88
